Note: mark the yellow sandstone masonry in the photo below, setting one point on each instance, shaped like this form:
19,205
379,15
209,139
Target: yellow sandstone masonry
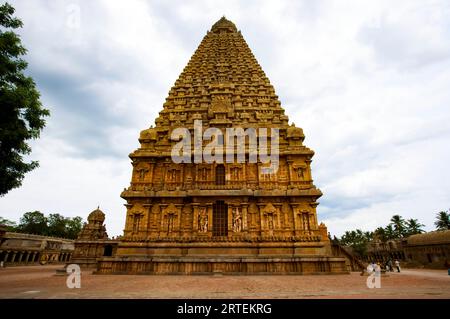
193,218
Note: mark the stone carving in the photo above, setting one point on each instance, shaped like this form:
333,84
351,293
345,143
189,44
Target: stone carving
269,211
154,215
253,211
220,104
142,171
299,171
187,215
170,216
237,220
94,229
203,220
223,86
270,221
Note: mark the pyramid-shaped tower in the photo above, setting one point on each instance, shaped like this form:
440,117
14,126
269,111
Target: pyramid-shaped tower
200,217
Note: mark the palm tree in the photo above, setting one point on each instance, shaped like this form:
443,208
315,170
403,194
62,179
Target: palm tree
442,221
368,235
414,227
389,232
399,225
380,233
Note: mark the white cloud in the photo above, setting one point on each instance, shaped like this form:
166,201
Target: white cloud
367,81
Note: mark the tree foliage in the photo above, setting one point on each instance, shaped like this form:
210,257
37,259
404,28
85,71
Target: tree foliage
22,114
357,239
396,229
33,223
442,220
413,227
10,225
54,225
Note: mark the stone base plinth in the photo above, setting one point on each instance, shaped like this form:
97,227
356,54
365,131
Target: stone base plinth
222,264
225,257
85,262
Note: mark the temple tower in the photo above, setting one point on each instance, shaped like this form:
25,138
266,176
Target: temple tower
199,217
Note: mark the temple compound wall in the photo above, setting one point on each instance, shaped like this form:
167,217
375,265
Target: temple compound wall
28,249
430,250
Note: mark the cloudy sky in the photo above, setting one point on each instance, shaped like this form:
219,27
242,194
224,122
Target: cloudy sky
368,81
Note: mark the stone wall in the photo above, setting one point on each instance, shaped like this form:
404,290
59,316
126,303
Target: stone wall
430,250
29,249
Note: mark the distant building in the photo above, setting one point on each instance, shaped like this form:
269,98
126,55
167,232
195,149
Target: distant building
93,242
431,250
28,249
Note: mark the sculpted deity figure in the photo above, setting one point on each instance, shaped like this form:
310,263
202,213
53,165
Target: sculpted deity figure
300,173
203,220
237,220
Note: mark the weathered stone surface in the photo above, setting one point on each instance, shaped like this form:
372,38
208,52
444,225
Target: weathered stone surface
93,242
29,249
229,210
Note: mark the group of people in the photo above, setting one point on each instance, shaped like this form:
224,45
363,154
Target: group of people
388,265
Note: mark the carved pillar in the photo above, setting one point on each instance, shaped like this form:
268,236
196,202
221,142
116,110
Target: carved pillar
186,220
289,170
308,170
279,217
151,173
164,173
315,223
261,226
162,230
295,209
209,209
148,217
244,216
128,220
230,218
28,257
177,229
195,215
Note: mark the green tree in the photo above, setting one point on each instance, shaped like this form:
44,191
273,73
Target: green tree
357,239
389,232
73,227
368,235
10,225
381,234
33,223
442,221
398,223
413,227
22,114
56,225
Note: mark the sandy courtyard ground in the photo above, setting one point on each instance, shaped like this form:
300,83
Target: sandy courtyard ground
41,282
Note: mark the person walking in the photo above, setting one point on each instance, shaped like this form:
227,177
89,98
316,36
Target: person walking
397,265
390,265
